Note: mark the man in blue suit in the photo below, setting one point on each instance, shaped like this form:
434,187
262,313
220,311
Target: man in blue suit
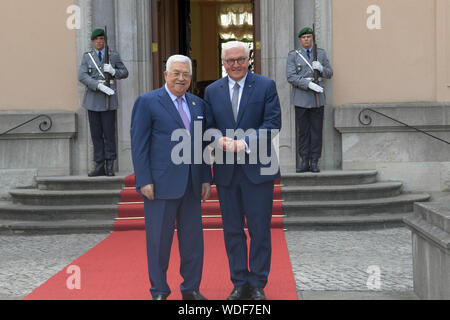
247,102
172,190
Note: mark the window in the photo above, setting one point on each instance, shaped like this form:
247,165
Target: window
235,24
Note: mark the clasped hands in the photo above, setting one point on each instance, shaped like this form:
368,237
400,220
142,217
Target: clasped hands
231,145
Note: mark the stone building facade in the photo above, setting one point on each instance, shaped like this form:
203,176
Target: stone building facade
391,56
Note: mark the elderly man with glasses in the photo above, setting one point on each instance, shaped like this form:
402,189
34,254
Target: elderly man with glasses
249,103
172,192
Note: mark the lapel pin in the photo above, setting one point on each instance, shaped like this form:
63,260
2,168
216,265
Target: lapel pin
194,104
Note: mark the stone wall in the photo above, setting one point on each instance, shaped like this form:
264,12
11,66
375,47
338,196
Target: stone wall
395,151
430,226
28,151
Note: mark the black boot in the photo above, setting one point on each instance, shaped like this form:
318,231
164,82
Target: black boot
98,171
110,168
304,166
315,166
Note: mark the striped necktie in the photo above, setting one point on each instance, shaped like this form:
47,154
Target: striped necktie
235,100
183,115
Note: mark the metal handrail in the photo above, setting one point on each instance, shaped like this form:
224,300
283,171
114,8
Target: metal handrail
367,121
44,126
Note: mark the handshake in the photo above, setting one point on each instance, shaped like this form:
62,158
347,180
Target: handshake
231,145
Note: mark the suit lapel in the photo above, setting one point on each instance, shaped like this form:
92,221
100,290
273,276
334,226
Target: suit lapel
246,94
170,107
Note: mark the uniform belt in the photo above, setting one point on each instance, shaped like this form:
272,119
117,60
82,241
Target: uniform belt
103,81
312,79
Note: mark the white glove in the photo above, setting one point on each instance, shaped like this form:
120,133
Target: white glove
317,66
315,87
108,68
105,89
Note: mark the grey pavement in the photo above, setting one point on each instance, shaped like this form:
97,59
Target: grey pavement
328,265
26,262
352,265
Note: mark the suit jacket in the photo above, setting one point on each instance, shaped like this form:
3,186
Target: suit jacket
259,109
299,75
94,99
153,121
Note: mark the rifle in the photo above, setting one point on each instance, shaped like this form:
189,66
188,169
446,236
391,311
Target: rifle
316,72
107,75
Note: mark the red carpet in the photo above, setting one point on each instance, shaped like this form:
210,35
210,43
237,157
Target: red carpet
131,209
116,269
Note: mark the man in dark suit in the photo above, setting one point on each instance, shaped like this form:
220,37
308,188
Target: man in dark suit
172,190
248,102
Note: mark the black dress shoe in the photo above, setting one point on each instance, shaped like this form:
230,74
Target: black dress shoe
98,171
240,293
315,166
194,295
304,167
257,294
110,168
160,297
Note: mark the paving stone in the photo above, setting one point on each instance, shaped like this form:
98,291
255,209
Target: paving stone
322,261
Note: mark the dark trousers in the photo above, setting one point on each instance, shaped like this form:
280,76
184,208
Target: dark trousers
243,199
309,130
103,134
160,218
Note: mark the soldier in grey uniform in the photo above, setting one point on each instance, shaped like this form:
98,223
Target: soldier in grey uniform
102,121
300,69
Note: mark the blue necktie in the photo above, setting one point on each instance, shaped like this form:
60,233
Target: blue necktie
100,55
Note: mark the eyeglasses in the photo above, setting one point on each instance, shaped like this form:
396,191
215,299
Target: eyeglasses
186,76
240,61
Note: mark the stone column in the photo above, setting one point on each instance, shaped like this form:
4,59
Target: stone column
277,28
332,145
133,39
83,150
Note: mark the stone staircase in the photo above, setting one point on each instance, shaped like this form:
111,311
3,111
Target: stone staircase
63,205
344,199
333,199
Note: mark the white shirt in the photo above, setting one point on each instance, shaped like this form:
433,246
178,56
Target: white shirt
241,83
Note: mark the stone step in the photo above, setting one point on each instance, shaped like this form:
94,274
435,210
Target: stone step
346,192
329,178
380,220
399,204
80,183
64,198
13,227
11,211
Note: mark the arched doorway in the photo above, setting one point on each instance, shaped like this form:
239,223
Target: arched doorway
198,28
